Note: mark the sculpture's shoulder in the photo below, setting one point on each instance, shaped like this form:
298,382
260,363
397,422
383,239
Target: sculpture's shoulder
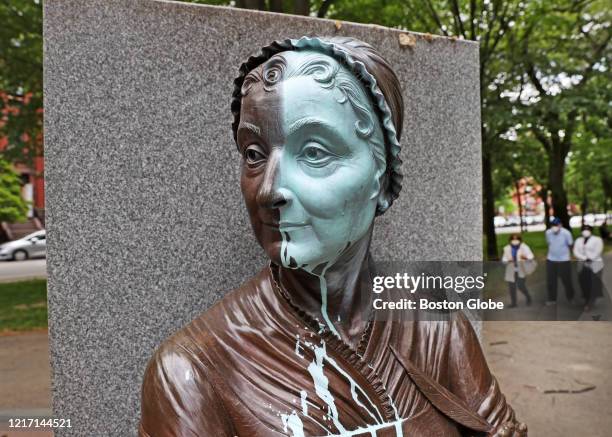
442,347
182,385
239,307
444,332
182,389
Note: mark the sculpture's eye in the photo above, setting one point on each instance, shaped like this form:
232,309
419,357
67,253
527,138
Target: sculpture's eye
254,155
273,75
315,155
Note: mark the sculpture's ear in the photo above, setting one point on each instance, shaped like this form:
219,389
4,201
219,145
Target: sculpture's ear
379,190
381,187
377,183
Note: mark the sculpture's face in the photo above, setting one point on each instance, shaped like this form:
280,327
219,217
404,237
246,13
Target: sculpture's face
310,182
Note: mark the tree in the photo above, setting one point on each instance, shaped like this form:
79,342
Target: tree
21,91
560,47
520,158
487,21
589,166
593,149
12,206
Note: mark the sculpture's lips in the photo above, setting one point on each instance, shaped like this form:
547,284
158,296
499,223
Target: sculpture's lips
288,226
285,225
273,225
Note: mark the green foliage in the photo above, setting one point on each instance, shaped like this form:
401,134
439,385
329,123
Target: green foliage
12,206
23,305
590,170
21,78
562,86
506,203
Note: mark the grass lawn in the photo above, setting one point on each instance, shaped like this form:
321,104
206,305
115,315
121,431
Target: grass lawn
536,241
23,305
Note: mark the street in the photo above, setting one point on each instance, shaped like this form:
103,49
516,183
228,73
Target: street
22,270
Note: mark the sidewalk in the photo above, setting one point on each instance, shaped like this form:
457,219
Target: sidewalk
556,375
26,378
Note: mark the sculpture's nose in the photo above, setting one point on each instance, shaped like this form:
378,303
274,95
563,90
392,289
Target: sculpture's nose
270,194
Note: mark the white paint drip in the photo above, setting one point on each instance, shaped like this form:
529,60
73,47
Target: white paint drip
303,396
297,347
322,386
294,423
398,419
286,261
284,250
354,388
321,382
328,322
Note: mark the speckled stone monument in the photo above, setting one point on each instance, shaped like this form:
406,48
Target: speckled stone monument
146,225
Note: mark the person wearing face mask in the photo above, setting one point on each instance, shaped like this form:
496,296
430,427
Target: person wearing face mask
517,257
588,249
559,242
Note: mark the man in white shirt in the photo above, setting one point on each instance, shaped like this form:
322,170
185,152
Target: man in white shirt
588,249
558,264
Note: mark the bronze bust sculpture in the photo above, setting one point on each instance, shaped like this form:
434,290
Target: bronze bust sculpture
290,353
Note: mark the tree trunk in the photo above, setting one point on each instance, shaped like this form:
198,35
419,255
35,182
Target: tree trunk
249,4
544,195
276,5
556,172
301,7
606,183
324,8
517,187
489,208
583,206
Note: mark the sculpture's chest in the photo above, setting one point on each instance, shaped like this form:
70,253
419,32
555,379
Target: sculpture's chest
309,386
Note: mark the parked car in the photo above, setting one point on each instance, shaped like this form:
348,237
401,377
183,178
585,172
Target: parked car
33,245
499,221
576,221
513,220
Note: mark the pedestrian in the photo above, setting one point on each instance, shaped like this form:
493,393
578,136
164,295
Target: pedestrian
558,264
519,261
588,249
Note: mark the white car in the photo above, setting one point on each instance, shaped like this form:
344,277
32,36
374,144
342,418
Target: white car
33,245
499,221
576,221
